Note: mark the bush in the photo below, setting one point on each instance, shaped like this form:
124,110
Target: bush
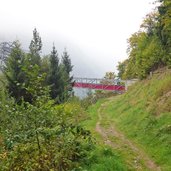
41,136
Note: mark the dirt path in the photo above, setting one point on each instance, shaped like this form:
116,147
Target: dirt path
135,157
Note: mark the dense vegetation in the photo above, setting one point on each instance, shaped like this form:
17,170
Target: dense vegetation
24,71
43,125
149,48
40,126
41,136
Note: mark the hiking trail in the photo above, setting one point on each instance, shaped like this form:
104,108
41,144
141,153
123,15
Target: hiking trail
135,156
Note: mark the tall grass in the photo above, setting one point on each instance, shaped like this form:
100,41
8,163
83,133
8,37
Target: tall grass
144,115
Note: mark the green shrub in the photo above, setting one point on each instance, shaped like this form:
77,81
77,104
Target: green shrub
41,135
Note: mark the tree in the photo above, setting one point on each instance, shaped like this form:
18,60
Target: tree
121,68
149,24
145,50
66,86
108,78
5,50
34,83
66,61
13,72
164,31
35,48
66,69
45,64
54,78
131,67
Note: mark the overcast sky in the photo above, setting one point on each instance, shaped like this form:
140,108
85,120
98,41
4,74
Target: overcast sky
95,32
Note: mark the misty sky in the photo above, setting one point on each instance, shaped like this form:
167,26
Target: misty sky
95,32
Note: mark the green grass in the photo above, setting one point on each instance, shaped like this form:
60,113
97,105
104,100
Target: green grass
102,158
141,116
90,123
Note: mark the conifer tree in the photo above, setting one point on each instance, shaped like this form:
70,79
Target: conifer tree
54,77
35,48
66,68
13,72
66,61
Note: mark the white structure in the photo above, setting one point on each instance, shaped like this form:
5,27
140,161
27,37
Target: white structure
129,83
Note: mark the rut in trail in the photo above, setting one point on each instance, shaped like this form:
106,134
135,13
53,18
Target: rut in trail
140,160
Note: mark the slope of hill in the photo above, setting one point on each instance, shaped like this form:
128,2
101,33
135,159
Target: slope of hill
142,116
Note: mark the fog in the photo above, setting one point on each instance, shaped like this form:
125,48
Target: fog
95,32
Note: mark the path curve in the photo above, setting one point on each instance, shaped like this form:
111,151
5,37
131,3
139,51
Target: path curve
111,131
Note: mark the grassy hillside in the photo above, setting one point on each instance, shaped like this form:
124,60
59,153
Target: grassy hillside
143,115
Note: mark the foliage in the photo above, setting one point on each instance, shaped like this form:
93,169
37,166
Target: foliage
145,55
109,75
44,135
24,80
66,61
35,134
67,80
121,68
13,72
45,64
149,48
150,22
108,78
164,30
34,82
40,135
35,48
54,76
25,70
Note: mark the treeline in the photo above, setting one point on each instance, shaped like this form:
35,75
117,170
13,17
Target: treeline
149,48
40,126
25,70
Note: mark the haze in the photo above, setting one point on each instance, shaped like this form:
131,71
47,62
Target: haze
95,32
